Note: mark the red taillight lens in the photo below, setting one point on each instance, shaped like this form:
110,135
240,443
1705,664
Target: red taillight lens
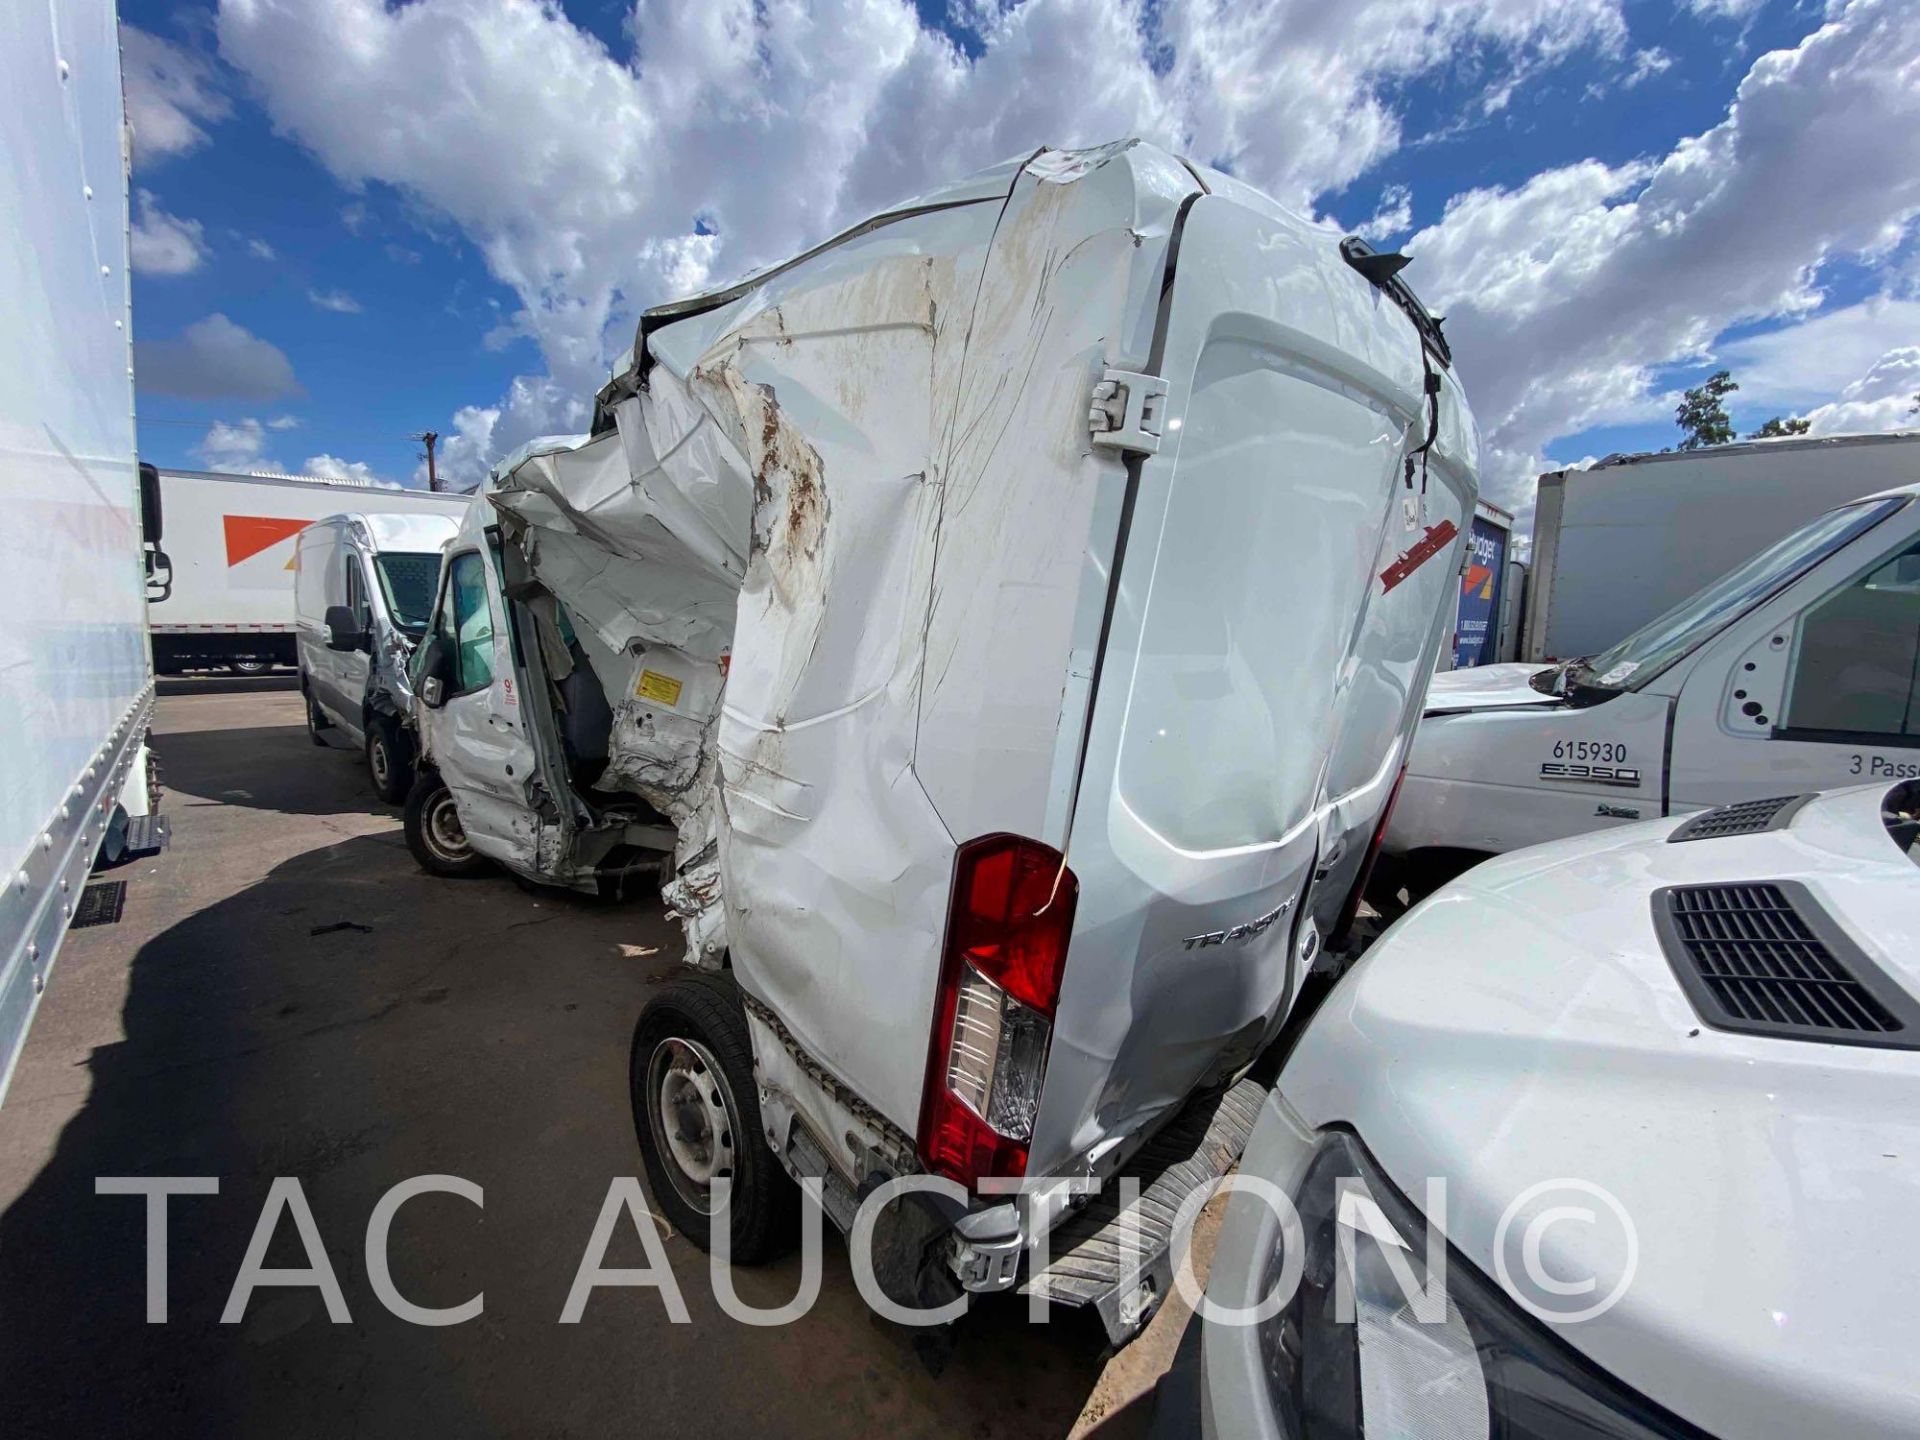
1006,950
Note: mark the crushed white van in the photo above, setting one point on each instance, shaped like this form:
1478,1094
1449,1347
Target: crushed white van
1797,670
1018,607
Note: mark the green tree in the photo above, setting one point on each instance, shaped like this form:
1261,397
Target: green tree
1776,427
1702,415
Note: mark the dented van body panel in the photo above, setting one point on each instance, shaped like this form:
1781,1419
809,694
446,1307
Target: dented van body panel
866,571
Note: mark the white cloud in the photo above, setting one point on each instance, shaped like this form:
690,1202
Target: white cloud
1800,365
238,446
354,217
258,248
1724,9
215,359
338,301
1394,215
332,467
163,244
1887,397
1563,294
284,422
580,175
170,91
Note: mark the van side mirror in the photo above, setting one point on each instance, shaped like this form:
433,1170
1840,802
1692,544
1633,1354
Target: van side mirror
344,631
149,504
433,672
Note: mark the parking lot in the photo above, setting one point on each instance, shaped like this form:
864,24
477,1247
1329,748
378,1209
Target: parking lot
287,995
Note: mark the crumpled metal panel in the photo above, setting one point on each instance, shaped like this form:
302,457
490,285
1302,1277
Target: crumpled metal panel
861,495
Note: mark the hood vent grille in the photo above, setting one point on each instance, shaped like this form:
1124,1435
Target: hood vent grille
1765,959
1747,817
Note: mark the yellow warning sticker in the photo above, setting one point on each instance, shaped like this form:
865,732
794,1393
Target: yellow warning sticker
657,687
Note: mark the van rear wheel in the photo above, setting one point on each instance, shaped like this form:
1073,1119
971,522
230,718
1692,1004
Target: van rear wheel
434,833
389,766
696,1112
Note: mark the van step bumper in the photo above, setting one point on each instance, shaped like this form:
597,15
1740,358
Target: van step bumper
1096,1249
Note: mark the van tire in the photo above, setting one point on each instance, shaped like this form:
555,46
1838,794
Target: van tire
389,766
316,722
432,824
692,1038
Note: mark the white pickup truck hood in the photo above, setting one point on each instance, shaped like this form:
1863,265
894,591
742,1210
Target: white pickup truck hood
1485,687
1524,1026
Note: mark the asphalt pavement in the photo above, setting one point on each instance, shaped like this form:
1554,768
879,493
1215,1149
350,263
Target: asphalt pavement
287,995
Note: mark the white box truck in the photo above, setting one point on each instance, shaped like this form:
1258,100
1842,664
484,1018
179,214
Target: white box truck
75,683
1019,606
1629,538
227,601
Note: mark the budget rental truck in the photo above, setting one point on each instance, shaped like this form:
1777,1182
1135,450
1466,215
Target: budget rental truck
1015,609
75,684
226,600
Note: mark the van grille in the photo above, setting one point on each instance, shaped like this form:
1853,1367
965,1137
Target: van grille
1746,817
1764,959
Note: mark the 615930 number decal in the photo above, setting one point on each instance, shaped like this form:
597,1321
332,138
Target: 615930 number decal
1604,752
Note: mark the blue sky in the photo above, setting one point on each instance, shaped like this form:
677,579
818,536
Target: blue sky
340,217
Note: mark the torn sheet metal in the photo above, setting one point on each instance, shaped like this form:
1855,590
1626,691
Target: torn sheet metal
844,556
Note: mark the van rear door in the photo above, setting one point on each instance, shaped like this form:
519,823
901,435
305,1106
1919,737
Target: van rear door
1295,390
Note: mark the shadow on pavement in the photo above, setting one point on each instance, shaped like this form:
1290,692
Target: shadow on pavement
470,1030
269,768
227,684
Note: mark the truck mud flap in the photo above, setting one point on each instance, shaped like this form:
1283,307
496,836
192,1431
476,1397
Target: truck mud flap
1095,1250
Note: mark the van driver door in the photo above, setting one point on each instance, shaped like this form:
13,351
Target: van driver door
476,736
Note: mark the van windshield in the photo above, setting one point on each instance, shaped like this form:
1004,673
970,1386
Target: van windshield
408,582
1663,642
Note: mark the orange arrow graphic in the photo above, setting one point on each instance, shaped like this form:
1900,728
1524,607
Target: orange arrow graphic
248,535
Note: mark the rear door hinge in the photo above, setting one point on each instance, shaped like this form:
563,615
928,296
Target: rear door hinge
1126,411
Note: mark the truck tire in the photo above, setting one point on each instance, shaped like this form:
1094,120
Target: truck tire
696,1112
389,764
434,833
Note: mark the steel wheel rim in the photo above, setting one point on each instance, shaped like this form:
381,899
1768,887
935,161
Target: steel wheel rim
445,835
377,761
692,1116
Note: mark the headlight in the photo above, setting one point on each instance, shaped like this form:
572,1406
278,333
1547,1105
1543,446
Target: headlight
1368,1347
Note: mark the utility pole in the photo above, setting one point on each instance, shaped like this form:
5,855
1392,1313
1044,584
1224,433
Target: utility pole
429,437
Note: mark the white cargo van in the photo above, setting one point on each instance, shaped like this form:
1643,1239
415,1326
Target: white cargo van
222,596
363,591
1613,1137
1798,670
1018,606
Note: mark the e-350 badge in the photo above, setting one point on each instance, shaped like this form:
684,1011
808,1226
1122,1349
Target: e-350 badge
1589,774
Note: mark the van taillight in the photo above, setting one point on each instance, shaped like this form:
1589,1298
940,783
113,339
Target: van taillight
1006,949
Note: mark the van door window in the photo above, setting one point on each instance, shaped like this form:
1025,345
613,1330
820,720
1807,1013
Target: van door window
472,621
357,595
1856,670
